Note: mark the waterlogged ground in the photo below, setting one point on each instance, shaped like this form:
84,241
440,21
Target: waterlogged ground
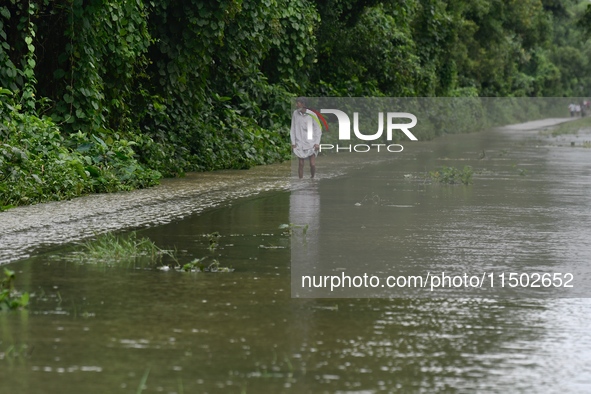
103,328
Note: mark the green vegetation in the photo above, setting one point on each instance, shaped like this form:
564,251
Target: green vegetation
9,297
142,384
452,48
37,163
572,127
16,353
199,265
452,175
112,95
112,249
213,241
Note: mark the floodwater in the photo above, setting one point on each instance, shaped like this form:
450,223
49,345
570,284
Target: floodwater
104,328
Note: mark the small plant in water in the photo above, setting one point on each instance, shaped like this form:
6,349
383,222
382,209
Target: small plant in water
9,297
15,353
112,248
213,240
520,171
452,175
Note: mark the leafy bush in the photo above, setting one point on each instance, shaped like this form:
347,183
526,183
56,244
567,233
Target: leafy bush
37,163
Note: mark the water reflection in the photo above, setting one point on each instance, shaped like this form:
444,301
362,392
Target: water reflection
304,217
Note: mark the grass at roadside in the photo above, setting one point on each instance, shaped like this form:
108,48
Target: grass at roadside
573,127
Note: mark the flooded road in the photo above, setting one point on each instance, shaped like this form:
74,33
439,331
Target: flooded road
23,230
97,328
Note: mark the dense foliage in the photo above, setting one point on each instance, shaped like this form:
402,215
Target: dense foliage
37,163
104,95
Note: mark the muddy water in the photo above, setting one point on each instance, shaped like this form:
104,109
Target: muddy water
95,328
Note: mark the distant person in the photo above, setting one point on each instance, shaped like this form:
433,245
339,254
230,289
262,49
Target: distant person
571,109
301,145
577,109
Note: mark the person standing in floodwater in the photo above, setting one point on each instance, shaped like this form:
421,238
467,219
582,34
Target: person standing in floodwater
305,136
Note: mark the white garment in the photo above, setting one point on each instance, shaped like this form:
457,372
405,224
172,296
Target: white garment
301,126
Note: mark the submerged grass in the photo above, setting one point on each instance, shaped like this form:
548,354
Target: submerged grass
131,251
111,249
